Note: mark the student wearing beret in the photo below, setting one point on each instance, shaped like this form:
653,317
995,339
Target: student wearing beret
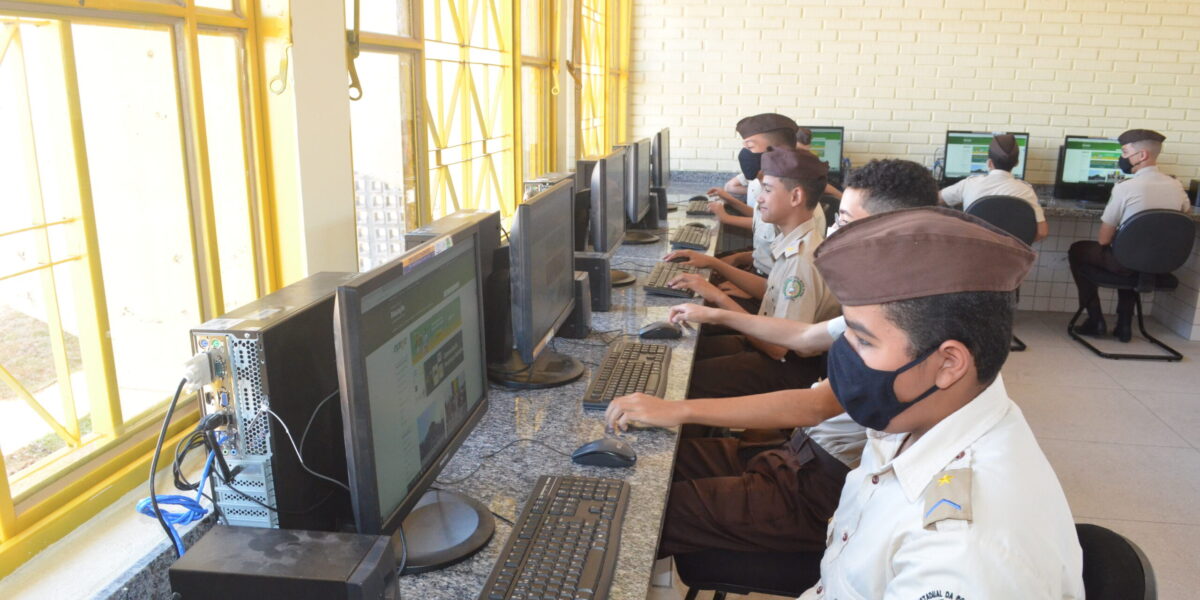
1003,156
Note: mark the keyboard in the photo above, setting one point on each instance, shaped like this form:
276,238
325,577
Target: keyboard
662,274
698,208
692,238
564,545
628,367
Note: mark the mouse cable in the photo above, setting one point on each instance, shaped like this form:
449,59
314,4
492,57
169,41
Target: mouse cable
498,451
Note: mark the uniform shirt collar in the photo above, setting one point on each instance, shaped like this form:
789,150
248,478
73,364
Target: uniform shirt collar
1149,169
790,244
942,444
1001,173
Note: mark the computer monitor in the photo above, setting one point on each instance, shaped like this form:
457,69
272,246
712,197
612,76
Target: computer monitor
608,190
542,290
1087,168
409,342
827,143
660,152
637,190
967,154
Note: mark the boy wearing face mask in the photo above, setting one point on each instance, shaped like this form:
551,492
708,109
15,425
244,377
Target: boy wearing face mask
1147,189
953,497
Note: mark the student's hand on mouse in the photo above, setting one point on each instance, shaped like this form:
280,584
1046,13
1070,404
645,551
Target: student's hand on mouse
645,410
695,259
697,284
692,313
717,208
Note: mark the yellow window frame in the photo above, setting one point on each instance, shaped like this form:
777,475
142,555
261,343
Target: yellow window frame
72,487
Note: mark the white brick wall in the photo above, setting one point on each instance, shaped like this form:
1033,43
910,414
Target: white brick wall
898,73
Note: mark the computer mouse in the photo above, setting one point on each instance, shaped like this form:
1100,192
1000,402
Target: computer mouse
679,259
661,330
695,224
605,452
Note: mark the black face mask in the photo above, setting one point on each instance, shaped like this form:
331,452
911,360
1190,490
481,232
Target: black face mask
1126,165
751,164
868,395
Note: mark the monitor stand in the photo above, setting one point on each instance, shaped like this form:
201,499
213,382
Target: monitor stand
621,278
549,369
640,237
444,528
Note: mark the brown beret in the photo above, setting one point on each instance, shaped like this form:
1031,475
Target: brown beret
1140,135
918,252
764,123
1005,145
793,164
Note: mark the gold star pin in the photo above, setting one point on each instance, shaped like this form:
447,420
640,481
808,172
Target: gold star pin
945,479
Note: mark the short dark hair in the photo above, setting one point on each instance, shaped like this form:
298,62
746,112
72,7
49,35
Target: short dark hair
813,189
781,137
893,184
982,321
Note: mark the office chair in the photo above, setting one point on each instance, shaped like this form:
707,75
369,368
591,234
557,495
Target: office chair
727,572
1114,568
1152,244
1013,215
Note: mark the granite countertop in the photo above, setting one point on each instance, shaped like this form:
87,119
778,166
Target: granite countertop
556,417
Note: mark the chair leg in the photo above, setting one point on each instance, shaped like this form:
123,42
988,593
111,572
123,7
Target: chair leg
1017,345
718,595
692,593
1172,357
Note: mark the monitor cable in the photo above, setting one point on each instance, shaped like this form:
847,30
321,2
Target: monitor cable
300,457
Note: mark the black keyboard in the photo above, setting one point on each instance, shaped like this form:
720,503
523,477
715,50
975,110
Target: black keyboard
692,238
627,368
564,545
698,208
662,274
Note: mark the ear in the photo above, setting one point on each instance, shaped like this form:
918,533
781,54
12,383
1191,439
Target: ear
991,165
797,198
956,363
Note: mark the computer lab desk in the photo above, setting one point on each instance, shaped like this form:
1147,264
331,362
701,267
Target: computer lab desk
556,417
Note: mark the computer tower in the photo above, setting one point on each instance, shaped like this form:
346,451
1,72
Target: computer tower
579,324
244,563
277,353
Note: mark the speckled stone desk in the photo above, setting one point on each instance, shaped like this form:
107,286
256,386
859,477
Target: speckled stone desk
556,417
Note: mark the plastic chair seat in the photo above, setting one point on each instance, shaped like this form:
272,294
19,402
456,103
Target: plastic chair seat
725,571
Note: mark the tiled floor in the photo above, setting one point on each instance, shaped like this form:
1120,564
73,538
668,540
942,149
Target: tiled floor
1123,436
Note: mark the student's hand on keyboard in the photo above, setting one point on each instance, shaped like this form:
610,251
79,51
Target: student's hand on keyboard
698,284
693,313
645,409
695,259
717,208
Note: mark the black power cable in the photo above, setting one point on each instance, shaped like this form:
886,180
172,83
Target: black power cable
162,436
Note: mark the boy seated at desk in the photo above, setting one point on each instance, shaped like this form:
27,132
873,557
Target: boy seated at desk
1003,156
792,184
941,499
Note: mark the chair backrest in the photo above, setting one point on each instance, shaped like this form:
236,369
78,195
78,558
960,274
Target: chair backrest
830,205
1009,213
1114,568
1155,241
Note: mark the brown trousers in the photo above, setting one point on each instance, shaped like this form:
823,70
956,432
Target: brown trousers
727,366
779,500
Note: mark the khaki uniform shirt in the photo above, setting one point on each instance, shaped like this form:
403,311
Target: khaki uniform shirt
795,290
996,183
971,510
1148,189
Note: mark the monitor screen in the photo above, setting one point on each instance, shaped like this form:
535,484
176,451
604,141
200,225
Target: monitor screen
1091,161
411,368
608,201
662,158
543,267
967,154
827,145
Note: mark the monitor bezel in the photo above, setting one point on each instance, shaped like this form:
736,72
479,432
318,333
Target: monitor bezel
660,153
1082,191
637,206
352,381
947,180
522,265
834,169
602,203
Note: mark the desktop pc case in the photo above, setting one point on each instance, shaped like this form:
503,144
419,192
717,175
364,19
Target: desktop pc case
277,352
